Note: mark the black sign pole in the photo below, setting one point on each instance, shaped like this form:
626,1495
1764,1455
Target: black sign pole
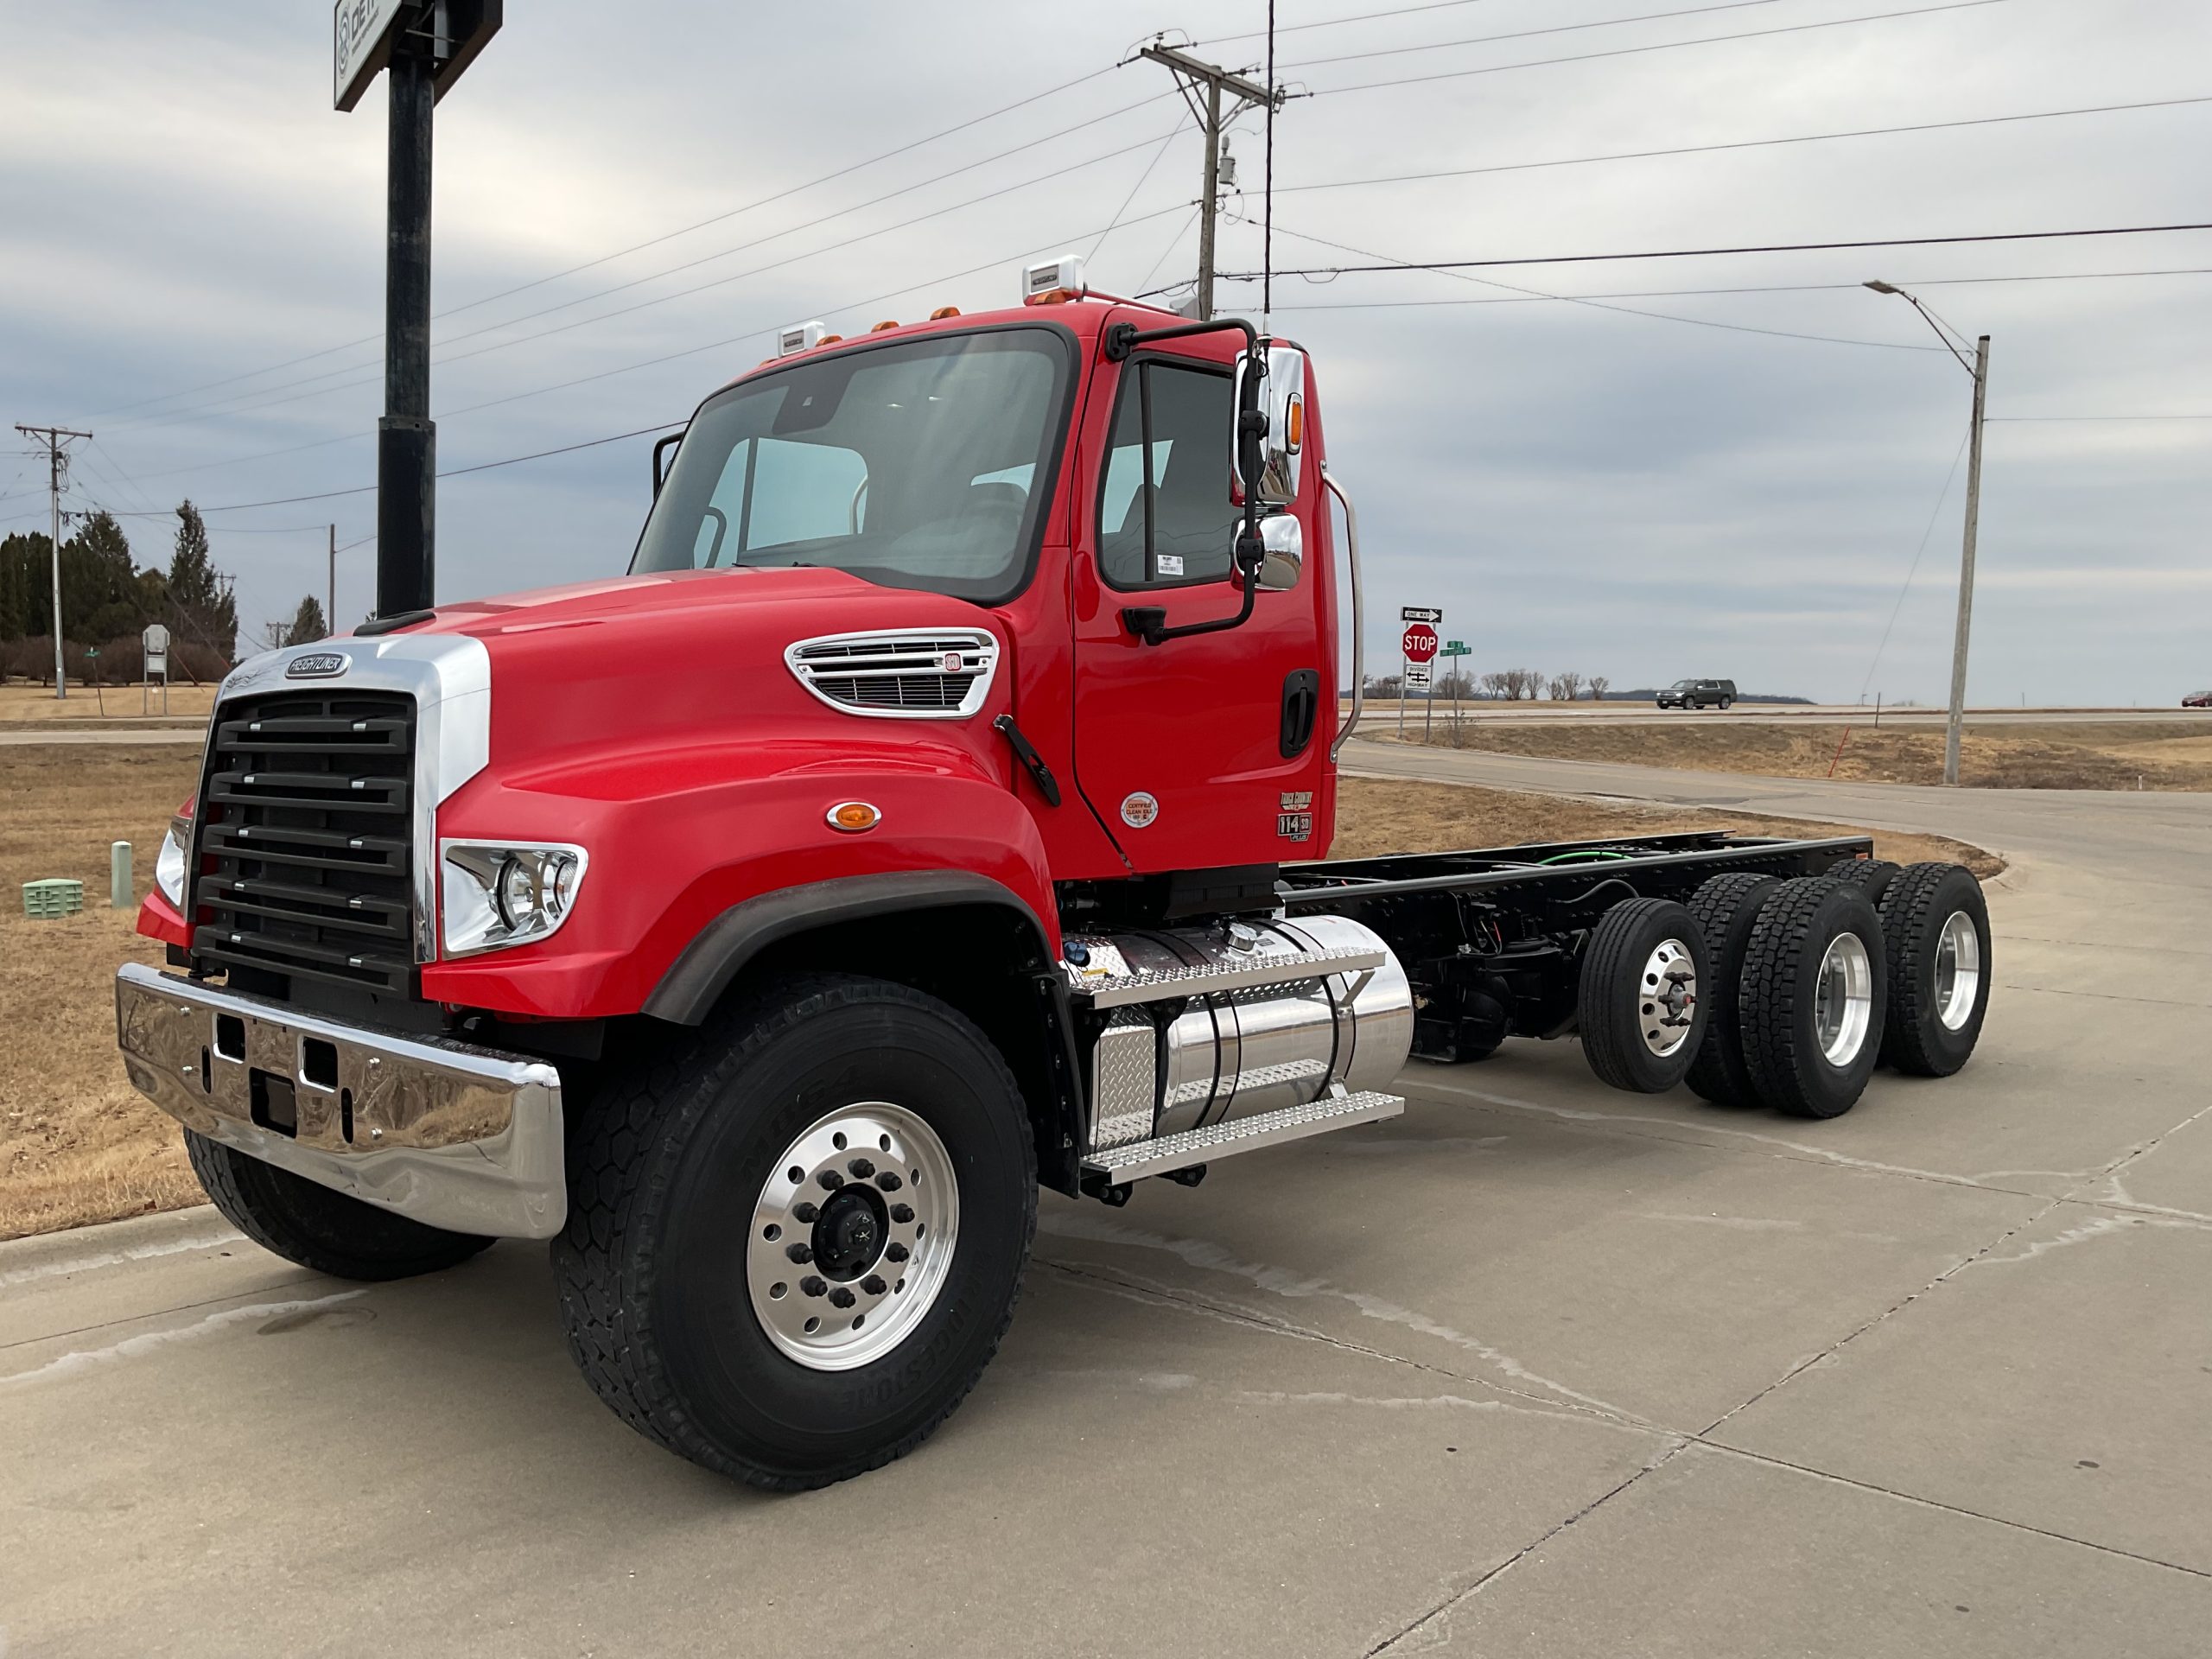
407,443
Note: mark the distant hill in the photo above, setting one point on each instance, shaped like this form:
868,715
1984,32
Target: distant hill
1651,691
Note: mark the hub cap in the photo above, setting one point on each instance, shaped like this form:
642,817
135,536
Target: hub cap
1958,971
1843,1000
852,1236
1666,997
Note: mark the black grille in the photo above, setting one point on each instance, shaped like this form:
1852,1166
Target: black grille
305,838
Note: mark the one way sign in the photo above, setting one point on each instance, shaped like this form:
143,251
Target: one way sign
1419,613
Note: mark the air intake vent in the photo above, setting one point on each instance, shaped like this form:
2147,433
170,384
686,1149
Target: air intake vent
912,674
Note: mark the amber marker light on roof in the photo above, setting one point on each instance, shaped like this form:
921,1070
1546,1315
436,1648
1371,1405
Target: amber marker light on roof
888,322
942,312
853,816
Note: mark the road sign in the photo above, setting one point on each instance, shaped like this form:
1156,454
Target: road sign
1454,648
362,31
1419,613
1417,676
1419,643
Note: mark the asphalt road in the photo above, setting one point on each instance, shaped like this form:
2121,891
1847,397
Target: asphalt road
1537,1369
1380,716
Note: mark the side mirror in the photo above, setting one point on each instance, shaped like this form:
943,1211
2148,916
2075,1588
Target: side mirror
1268,451
661,446
1286,554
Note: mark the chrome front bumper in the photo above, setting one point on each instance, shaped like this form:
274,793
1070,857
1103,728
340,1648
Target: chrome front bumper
458,1137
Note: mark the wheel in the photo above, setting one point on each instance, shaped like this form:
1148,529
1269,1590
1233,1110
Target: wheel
1811,1000
1725,907
1871,876
794,1245
317,1226
1727,703
1935,928
1640,1005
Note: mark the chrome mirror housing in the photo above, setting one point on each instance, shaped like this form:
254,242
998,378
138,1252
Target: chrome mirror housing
1286,554
1282,403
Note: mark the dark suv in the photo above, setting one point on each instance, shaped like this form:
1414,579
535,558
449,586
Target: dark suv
1697,694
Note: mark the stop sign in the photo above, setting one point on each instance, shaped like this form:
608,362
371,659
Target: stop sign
1419,643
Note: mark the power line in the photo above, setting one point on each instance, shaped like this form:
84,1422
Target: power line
1762,288
1326,271
1126,201
1744,144
888,155
1913,569
1525,34
2070,418
1661,46
1332,22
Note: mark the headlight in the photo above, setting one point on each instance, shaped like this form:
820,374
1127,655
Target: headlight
169,867
497,894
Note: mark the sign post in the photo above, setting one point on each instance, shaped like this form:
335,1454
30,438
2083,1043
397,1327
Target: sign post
426,44
154,642
1419,645
1454,649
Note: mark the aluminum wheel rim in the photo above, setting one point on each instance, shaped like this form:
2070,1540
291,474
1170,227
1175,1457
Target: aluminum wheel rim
1843,1000
1666,997
838,1281
1958,971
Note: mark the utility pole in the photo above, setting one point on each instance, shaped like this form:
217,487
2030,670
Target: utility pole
407,439
330,616
57,440
1980,369
1202,86
1966,566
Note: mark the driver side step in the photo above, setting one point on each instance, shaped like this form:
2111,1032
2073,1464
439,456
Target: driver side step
1116,1164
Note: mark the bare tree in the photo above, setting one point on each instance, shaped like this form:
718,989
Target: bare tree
1598,685
1565,687
1494,685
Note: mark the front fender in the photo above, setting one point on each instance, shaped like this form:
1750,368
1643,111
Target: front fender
679,841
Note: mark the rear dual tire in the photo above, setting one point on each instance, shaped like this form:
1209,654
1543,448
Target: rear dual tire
1641,1002
1813,997
1935,927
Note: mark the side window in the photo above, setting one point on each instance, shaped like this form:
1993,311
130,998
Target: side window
1165,517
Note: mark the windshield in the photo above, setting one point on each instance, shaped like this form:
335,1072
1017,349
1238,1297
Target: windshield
924,465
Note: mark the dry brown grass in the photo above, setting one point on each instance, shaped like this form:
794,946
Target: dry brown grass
2122,755
79,1145
1376,816
118,705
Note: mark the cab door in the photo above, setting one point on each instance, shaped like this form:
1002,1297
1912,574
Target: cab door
1207,751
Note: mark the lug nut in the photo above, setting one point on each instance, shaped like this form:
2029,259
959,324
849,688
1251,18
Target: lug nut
841,1298
861,1169
873,1286
889,1182
805,1213
812,1286
894,1252
902,1212
799,1252
831,1179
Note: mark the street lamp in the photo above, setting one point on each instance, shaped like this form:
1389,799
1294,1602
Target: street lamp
1980,369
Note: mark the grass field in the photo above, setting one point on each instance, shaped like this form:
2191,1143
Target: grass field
77,1144
116,705
2121,755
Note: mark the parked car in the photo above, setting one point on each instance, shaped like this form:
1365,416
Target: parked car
2197,700
1697,694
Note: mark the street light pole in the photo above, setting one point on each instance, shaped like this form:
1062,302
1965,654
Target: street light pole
1980,369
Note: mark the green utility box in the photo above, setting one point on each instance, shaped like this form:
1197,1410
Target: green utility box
56,896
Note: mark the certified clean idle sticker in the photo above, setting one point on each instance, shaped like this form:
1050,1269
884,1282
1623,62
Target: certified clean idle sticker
1139,809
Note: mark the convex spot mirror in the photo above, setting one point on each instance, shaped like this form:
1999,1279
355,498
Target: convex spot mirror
1286,554
1273,454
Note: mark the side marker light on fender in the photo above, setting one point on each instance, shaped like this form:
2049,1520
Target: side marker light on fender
853,816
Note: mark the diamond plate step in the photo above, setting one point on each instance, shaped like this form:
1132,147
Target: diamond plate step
1170,1151
1122,989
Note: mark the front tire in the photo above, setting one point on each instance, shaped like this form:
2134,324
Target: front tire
723,1299
317,1226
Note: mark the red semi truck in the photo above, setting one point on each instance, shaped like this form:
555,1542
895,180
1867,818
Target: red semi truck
936,808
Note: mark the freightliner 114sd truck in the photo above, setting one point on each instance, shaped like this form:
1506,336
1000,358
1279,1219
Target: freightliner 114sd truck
934,810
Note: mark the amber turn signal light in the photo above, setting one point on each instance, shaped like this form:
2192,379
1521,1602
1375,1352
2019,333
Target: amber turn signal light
853,816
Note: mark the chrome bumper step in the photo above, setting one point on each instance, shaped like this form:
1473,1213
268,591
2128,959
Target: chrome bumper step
1116,1165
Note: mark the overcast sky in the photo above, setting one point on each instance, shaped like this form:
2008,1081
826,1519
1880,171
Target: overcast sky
1638,496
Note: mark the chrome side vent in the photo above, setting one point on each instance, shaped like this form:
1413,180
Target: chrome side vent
907,674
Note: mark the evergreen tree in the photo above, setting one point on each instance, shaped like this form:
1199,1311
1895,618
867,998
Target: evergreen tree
100,586
23,587
200,592
307,624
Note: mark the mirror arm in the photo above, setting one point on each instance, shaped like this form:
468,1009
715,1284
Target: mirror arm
659,446
1149,622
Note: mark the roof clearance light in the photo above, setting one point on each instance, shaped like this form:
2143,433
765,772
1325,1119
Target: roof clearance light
888,322
798,338
1052,280
942,312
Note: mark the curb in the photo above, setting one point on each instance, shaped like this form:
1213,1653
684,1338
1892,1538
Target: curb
113,1243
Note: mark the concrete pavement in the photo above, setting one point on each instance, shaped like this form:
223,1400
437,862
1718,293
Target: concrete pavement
1537,1369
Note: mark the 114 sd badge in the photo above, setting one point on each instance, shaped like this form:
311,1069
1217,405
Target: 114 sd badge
1295,820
